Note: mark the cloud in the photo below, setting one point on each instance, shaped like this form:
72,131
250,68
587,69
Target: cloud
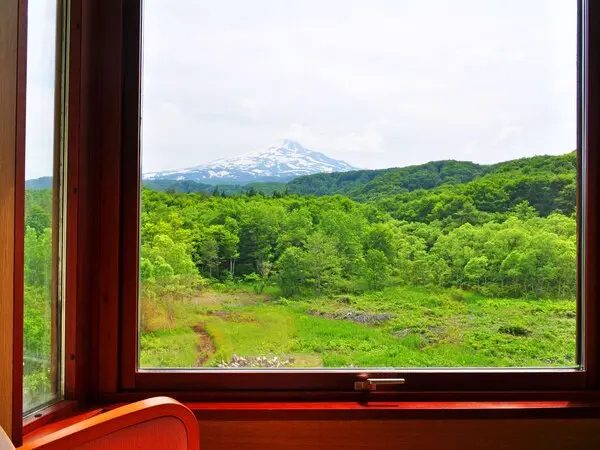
378,83
40,112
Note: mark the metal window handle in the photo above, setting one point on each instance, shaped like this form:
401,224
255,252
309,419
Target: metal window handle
370,384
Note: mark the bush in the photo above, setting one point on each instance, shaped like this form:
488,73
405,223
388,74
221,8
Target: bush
458,295
515,330
495,290
153,316
252,277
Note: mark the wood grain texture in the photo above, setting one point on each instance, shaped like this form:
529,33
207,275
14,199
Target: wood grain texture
383,425
108,106
56,356
59,416
19,225
409,434
298,381
87,209
591,147
332,411
325,398
99,205
130,192
72,309
49,415
9,43
251,432
102,21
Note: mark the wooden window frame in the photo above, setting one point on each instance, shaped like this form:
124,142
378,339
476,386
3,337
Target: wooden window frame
118,352
15,19
65,204
13,37
81,207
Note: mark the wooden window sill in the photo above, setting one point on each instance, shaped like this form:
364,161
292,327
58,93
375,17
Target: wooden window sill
64,414
392,410
49,415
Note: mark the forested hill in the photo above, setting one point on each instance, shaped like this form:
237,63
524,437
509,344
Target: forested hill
383,182
372,184
187,187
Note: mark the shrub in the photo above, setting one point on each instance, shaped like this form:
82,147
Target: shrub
153,316
458,295
515,330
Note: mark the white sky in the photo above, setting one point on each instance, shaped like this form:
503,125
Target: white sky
373,82
41,45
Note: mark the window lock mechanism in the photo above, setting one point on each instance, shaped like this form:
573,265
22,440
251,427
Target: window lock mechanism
371,384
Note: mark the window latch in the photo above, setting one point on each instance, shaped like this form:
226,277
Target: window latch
370,384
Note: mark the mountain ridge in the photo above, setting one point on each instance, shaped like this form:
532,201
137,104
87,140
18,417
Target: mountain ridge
280,162
366,184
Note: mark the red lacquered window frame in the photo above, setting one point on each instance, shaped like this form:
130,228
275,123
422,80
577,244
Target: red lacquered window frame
73,383
114,42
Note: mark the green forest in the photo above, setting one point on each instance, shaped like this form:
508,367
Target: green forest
37,315
446,264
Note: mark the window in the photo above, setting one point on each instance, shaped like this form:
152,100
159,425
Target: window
257,265
42,377
420,210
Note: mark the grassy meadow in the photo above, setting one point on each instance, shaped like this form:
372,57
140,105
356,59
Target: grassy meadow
396,327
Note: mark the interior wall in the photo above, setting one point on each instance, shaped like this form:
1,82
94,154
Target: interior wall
488,434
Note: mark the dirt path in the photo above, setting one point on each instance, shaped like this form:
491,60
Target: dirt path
205,346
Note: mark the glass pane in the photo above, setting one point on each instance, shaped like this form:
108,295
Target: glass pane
41,314
345,184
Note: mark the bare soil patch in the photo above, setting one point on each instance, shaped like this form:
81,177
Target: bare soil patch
205,346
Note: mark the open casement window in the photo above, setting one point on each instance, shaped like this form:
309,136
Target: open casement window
235,276
45,226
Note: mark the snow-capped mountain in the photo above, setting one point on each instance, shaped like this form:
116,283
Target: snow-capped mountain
282,161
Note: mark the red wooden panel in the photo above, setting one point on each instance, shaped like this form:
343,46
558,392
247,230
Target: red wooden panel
19,224
99,187
394,435
591,142
130,194
72,202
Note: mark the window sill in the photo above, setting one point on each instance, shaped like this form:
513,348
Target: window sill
49,415
65,413
390,410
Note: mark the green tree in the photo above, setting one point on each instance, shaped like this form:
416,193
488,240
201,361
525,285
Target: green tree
378,270
290,271
476,269
206,253
321,263
38,258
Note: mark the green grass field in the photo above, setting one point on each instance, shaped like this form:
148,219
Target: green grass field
397,327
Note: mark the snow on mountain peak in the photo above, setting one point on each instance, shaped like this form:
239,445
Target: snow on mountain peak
282,161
